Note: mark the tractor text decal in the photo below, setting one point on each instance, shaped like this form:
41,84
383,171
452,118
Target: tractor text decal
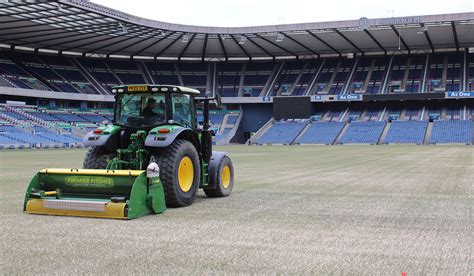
89,182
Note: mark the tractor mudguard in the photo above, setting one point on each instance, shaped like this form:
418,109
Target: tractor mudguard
93,138
163,139
215,161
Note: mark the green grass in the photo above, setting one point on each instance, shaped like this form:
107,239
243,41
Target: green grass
294,210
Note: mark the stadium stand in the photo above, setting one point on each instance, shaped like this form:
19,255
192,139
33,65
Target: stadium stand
321,133
282,133
363,133
405,75
452,131
406,132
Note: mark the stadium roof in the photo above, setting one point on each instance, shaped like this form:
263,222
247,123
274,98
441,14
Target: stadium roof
75,27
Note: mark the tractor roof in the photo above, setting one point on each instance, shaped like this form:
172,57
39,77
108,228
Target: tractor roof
150,88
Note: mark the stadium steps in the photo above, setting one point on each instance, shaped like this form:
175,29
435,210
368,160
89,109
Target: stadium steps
228,138
302,132
99,88
384,133
298,78
314,78
112,71
6,82
25,68
268,88
429,131
224,123
260,132
339,136
333,77
35,119
145,73
11,119
59,75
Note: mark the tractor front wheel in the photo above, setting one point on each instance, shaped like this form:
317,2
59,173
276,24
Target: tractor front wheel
180,172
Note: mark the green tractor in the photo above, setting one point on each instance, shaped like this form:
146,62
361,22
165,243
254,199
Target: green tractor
154,155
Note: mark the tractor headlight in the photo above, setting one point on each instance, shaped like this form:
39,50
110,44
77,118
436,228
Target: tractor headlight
153,170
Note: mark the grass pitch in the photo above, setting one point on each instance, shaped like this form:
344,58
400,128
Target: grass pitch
294,210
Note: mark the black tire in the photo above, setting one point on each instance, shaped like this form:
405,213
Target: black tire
97,158
169,160
224,181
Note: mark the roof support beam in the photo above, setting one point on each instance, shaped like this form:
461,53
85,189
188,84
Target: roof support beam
115,42
301,44
39,25
131,44
186,47
324,42
241,47
26,4
375,40
349,41
44,24
88,35
23,13
276,45
428,37
102,27
169,45
204,48
94,42
34,31
222,47
32,36
397,33
455,35
152,44
42,17
260,47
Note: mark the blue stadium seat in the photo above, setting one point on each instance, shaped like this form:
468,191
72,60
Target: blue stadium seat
321,133
363,133
281,133
455,131
406,132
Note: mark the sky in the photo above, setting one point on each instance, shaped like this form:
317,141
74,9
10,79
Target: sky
239,13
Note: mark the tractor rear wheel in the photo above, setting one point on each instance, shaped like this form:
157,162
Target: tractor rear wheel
180,172
223,179
97,158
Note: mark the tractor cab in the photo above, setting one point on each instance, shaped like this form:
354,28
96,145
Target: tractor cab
148,106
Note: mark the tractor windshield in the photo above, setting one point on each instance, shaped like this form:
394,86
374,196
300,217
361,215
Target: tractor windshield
141,110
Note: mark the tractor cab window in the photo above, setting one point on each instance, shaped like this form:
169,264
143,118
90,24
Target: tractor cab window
182,109
141,110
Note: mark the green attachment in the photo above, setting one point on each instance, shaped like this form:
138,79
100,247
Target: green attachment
121,194
133,157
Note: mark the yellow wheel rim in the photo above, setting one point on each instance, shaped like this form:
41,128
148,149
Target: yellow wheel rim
185,174
225,177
